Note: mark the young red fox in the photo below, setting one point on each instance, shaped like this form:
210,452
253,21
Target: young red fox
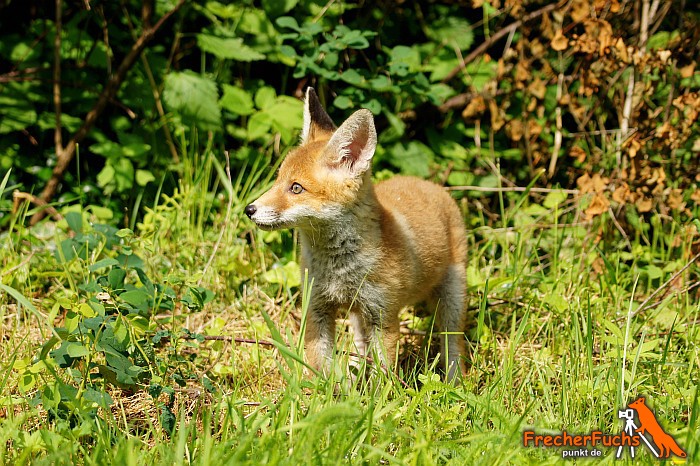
369,249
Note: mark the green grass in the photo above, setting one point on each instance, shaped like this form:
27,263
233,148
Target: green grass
555,342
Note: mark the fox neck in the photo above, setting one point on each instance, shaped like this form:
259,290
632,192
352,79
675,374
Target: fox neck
357,228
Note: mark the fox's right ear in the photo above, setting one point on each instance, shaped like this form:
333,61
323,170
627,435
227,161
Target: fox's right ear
316,121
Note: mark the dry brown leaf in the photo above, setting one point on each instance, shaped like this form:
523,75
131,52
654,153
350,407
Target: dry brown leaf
622,51
688,70
536,48
578,153
534,127
643,204
559,42
475,108
675,199
663,55
633,147
580,10
537,88
598,205
515,129
497,116
621,193
695,197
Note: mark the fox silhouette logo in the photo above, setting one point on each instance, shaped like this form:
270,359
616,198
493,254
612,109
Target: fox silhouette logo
665,444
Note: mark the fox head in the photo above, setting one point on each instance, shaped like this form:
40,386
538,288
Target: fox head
321,178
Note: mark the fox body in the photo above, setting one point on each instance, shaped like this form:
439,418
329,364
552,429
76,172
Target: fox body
648,423
370,249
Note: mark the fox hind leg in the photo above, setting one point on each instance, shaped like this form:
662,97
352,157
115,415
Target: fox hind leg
448,302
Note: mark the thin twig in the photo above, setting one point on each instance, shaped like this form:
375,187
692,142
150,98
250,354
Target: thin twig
107,94
494,38
19,196
512,189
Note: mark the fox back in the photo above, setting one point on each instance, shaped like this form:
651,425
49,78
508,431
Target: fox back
369,249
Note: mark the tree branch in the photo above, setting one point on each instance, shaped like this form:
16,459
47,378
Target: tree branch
497,36
107,94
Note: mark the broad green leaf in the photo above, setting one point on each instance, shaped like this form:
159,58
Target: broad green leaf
286,275
237,100
136,298
352,77
231,48
75,221
452,30
342,102
143,177
17,114
259,125
195,98
413,158
76,350
264,97
86,311
554,198
224,11
288,22
278,7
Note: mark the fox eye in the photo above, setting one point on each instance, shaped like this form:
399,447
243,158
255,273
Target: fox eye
296,188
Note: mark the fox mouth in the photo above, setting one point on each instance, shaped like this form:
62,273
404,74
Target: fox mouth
269,226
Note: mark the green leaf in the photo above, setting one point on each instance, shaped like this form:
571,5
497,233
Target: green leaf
237,100
116,278
452,30
264,97
287,118
278,7
259,125
231,48
342,102
286,275
288,22
352,77
413,158
195,98
554,198
137,298
143,177
76,350
75,221
17,114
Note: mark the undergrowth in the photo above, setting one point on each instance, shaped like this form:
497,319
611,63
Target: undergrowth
178,341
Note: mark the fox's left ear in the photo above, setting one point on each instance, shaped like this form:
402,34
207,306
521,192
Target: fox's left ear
352,145
316,120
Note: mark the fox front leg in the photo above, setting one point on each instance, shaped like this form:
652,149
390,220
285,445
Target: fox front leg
319,339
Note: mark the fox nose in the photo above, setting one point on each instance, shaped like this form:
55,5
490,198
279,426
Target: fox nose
250,209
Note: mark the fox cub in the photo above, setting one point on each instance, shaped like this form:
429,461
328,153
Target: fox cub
369,249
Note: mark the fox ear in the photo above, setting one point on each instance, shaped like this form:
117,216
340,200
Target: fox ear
316,120
352,145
